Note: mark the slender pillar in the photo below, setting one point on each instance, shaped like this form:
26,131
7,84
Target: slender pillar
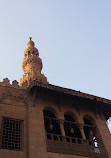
82,131
62,128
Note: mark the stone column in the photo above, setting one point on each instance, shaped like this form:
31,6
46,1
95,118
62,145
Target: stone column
81,126
62,128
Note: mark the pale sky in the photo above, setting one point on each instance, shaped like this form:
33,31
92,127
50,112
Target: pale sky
73,38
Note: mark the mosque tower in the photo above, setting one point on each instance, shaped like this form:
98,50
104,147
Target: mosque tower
32,65
41,120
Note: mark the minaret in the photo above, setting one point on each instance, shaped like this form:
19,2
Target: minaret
32,65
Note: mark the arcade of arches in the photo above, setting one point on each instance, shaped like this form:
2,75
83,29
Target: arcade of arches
69,131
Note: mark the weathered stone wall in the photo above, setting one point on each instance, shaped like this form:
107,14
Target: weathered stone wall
13,104
37,139
105,133
17,103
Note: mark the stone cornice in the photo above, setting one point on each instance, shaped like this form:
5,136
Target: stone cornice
68,91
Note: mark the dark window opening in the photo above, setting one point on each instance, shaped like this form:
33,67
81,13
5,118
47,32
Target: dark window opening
87,128
12,130
51,123
71,128
90,131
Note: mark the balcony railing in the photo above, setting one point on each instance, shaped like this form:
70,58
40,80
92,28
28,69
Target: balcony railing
74,146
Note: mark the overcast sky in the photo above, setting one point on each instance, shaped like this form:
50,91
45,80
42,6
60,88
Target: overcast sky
73,38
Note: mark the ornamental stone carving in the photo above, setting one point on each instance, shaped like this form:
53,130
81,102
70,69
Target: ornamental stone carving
6,82
32,65
9,95
15,84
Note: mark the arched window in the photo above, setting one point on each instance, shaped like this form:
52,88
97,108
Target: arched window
70,126
51,123
90,131
88,127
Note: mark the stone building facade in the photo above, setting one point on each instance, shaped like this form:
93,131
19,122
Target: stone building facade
40,120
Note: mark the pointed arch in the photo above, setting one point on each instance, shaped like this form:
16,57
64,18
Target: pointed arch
70,116
51,122
52,110
70,125
89,126
91,131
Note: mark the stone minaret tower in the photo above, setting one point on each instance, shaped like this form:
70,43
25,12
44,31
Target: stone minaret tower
32,65
41,120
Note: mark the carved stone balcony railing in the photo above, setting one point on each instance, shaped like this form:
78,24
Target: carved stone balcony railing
74,146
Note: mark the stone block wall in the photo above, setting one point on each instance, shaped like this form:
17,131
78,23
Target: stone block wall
19,104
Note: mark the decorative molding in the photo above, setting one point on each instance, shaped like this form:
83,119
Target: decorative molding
13,95
15,83
6,82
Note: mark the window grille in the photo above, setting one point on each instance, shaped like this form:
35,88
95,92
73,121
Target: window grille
12,134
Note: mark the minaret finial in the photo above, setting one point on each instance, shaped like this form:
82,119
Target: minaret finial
32,65
30,38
